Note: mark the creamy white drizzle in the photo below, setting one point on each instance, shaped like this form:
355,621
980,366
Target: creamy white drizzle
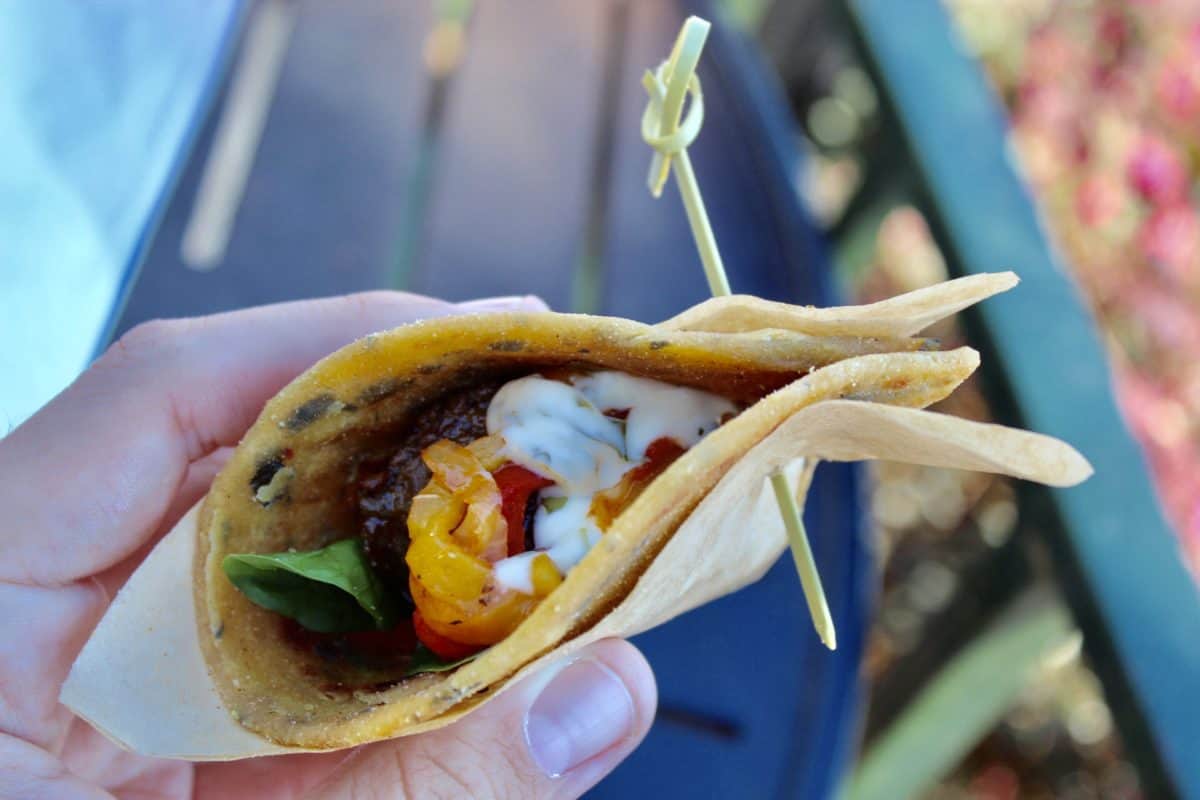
656,409
552,429
566,533
516,572
560,431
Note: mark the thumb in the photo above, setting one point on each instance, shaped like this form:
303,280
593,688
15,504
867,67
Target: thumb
554,735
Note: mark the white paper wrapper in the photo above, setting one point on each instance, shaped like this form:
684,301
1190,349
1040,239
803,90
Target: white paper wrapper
141,679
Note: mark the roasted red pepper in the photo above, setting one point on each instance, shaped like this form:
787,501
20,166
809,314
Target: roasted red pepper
516,484
443,648
466,519
607,505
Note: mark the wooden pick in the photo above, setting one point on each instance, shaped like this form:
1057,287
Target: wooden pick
666,129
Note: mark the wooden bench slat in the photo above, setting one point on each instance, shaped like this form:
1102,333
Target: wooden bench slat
512,163
325,194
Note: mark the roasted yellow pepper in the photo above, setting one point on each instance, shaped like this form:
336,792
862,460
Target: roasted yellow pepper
457,530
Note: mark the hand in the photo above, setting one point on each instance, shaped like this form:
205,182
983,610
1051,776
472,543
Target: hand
88,485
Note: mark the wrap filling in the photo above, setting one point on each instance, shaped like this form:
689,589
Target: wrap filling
493,496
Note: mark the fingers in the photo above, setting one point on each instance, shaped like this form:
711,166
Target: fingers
85,766
198,477
29,771
42,630
554,735
91,476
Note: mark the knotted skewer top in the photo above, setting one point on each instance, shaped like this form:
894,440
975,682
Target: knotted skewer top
667,86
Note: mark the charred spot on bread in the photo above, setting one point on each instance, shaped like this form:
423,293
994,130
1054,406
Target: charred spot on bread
309,412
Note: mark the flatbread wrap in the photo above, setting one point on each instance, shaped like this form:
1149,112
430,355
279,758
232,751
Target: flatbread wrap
432,510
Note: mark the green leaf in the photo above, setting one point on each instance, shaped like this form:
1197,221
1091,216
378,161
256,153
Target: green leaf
553,503
960,705
331,590
425,660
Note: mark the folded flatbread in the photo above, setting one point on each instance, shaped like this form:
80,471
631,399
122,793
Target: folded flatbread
701,528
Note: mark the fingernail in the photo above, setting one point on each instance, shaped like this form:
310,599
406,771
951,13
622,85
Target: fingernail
511,303
583,711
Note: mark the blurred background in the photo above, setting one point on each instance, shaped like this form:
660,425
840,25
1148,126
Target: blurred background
997,640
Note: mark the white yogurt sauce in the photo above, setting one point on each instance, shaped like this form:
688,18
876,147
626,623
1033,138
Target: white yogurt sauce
656,409
516,572
549,427
566,533
559,431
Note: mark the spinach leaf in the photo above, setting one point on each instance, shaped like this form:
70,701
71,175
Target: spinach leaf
425,660
331,590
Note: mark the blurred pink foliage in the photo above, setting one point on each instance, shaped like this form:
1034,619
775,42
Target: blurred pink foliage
1157,171
1105,102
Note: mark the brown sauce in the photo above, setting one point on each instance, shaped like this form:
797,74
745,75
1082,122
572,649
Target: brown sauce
383,488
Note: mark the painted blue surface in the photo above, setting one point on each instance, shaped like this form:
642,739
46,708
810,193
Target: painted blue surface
98,105
1137,604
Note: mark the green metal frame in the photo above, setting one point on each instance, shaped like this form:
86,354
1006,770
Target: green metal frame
1116,556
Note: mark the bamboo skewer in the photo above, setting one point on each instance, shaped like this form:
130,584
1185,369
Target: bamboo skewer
669,135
